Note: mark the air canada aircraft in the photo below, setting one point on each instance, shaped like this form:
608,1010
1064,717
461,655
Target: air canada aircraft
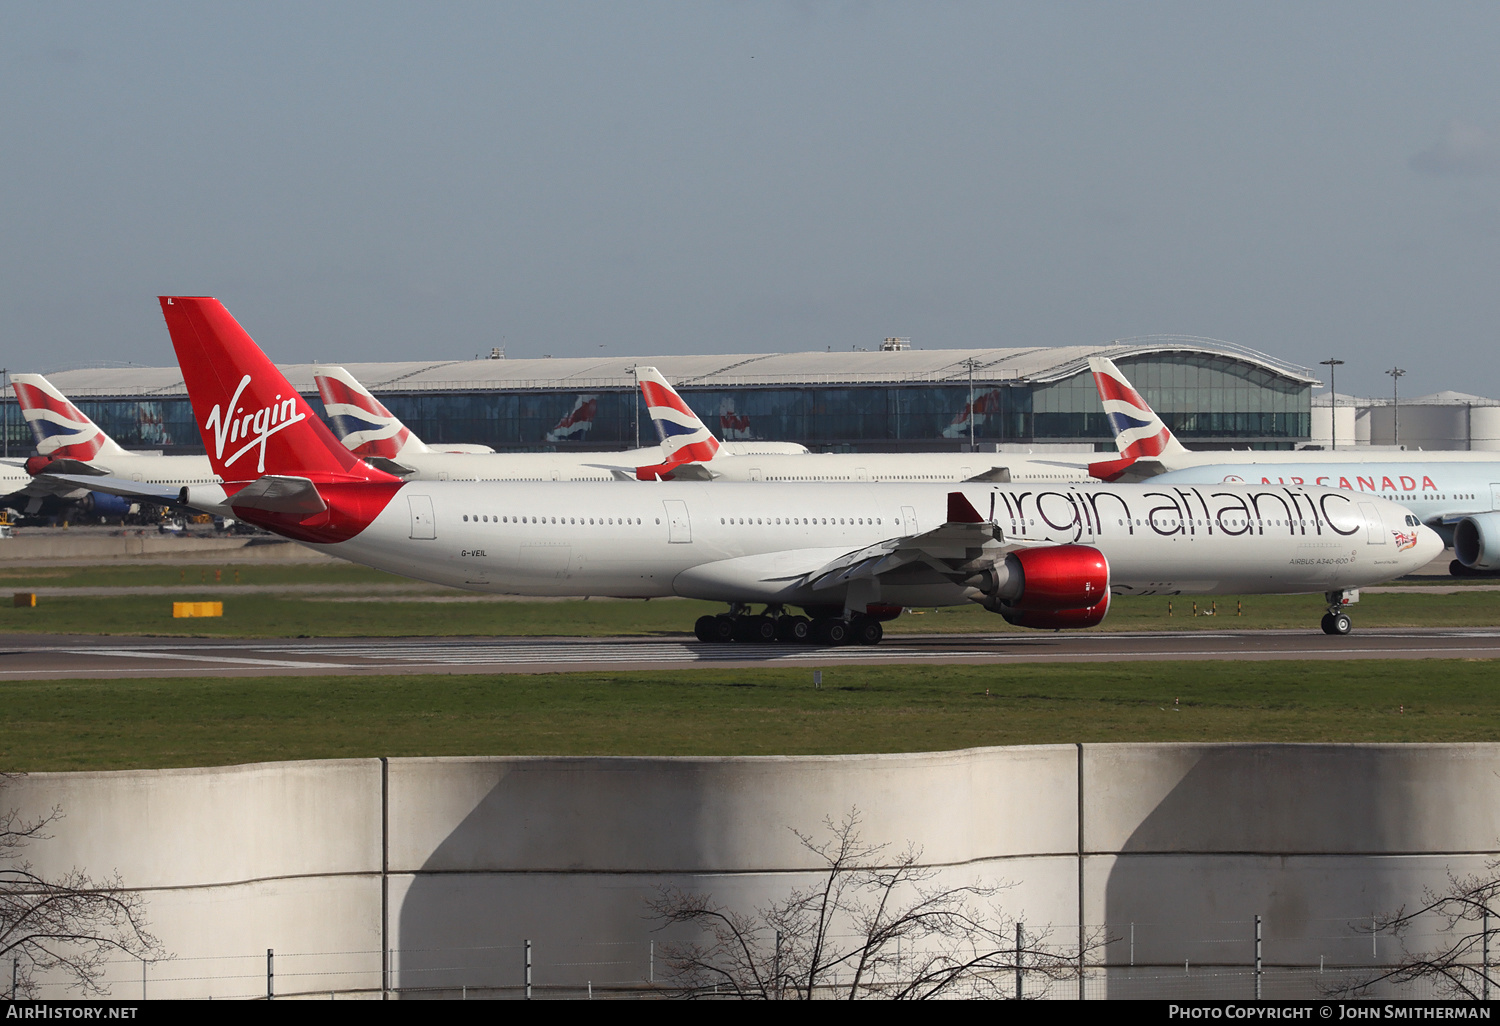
1455,493
377,436
849,555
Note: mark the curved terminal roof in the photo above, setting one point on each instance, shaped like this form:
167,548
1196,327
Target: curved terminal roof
1039,365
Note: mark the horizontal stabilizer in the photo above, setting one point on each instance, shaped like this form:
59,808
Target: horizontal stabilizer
675,472
390,466
276,494
63,465
995,475
1129,469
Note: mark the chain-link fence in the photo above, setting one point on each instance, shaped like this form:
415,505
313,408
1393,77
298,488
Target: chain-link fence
1236,959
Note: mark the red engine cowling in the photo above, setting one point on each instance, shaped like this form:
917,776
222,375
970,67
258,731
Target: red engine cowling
1057,619
1061,577
1060,586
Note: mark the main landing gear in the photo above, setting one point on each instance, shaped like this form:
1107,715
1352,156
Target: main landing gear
1336,621
775,624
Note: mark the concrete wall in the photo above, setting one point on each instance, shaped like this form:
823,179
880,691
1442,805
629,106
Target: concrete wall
39,546
476,855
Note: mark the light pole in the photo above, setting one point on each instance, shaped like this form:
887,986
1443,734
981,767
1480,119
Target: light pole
970,362
1333,394
637,374
1395,373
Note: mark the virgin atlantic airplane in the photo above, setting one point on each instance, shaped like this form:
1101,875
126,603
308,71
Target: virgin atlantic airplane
849,555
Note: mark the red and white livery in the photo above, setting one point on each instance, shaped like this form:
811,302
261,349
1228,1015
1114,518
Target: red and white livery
848,555
77,462
1138,430
62,430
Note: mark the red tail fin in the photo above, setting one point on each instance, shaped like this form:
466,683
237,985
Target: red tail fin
252,420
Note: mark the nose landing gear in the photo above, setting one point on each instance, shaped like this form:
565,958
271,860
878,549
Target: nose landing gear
1336,621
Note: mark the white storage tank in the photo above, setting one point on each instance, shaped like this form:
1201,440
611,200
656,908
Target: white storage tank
1440,421
1323,421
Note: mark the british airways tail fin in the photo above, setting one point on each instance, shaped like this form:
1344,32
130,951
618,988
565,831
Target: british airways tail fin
252,420
62,431
360,420
1138,430
684,438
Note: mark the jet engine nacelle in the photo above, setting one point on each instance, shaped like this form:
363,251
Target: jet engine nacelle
106,505
1476,541
207,498
1053,587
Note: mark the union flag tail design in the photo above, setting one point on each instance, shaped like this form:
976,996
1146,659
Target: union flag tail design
281,466
684,438
578,421
1138,430
62,430
366,427
980,410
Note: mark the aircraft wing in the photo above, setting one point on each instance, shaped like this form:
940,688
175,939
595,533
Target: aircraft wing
961,547
162,495
1449,519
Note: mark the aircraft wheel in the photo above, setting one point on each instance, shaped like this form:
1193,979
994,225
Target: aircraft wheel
866,631
716,629
1337,624
794,629
830,631
754,629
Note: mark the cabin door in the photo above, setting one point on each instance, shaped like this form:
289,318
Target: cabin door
679,527
423,524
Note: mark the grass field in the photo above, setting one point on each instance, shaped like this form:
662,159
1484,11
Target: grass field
113,724
376,604
250,615
19,578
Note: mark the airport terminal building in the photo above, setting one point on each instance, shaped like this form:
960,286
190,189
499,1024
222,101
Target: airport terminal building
889,398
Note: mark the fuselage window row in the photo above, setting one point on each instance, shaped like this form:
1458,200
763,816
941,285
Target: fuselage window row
793,521
593,521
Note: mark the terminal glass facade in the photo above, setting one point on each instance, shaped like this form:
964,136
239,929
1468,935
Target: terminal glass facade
1203,397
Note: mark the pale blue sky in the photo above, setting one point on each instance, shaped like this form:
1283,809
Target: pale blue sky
368,181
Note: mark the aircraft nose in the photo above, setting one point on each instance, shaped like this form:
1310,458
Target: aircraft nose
1429,547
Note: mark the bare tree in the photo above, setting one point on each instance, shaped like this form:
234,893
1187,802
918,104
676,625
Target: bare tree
1461,965
874,925
68,926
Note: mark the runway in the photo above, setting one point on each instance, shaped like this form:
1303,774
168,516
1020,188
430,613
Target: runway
46,657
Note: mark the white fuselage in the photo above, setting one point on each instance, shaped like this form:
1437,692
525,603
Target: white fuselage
898,468
736,542
1434,490
562,466
168,471
13,478
1339,457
